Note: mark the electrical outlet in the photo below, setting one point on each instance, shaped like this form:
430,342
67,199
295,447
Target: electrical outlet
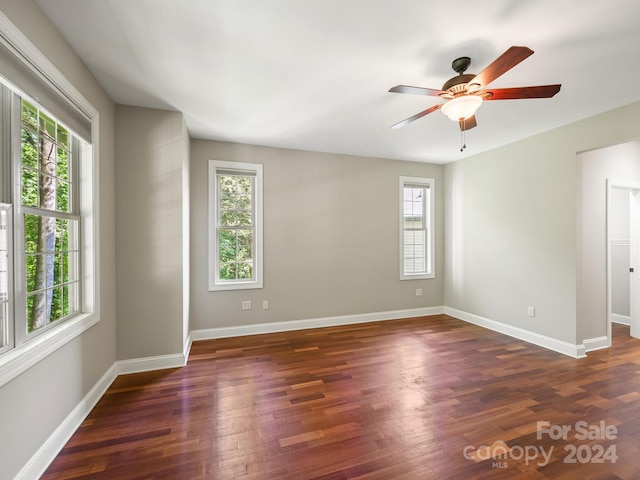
246,304
418,292
531,311
265,304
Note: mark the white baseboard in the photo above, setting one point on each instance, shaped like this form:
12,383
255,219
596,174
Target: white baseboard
275,327
147,364
187,348
575,351
591,344
622,319
41,460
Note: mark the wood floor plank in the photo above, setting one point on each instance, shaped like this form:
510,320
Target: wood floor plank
423,398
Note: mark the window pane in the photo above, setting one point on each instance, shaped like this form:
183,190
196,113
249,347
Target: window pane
29,115
244,253
57,304
228,218
62,137
59,269
228,246
47,126
245,184
244,219
228,271
30,272
40,233
227,201
245,237
244,201
30,187
38,313
227,184
47,192
62,170
29,148
245,271
62,197
66,300
62,237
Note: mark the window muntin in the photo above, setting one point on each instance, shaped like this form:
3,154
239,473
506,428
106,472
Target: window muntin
416,228
235,191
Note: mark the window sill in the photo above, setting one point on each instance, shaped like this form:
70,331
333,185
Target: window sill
420,276
222,287
20,359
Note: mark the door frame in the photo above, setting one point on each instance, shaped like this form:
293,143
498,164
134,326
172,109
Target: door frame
634,243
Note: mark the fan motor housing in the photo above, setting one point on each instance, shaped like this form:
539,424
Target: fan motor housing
462,79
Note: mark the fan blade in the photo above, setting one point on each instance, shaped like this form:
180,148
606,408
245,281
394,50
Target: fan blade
415,90
468,123
539,91
500,65
417,116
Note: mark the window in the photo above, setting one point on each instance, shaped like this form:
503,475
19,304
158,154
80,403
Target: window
48,219
416,228
41,221
235,225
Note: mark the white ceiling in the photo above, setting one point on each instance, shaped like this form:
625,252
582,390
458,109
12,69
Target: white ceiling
315,74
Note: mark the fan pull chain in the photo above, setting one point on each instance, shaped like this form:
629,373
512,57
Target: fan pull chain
463,136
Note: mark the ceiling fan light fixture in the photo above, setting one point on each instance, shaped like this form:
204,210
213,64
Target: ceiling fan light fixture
462,107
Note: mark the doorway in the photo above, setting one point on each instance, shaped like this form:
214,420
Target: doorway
623,254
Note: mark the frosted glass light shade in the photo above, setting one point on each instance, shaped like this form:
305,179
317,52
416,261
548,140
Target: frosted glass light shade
462,107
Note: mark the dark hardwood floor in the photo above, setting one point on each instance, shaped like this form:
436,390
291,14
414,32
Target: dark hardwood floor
424,398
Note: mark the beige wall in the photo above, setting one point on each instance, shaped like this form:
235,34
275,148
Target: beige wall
35,403
151,166
330,237
510,237
514,234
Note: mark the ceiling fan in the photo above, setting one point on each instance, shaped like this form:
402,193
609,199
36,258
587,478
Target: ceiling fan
465,92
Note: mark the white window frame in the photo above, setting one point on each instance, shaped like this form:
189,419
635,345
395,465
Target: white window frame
252,169
428,221
6,342
22,357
